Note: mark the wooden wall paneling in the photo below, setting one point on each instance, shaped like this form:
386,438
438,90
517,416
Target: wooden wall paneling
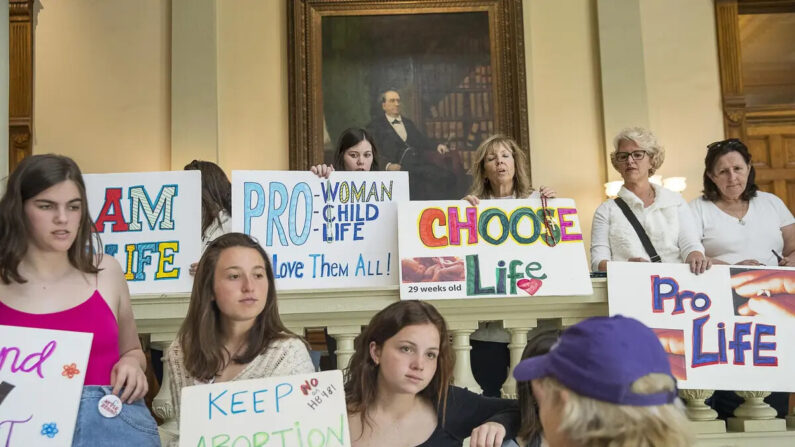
20,94
730,60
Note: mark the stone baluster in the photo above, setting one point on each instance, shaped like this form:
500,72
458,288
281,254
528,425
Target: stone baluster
161,404
755,414
462,372
703,418
344,335
518,331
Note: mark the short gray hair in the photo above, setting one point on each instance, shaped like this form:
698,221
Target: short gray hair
645,140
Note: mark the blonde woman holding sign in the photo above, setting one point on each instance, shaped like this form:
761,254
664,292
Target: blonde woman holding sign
499,172
233,330
53,277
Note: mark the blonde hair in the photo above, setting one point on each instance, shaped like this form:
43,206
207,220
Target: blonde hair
646,141
521,179
592,423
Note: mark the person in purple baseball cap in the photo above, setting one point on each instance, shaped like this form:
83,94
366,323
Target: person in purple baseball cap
606,382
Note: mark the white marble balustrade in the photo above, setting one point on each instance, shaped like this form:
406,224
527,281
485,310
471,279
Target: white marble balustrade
344,312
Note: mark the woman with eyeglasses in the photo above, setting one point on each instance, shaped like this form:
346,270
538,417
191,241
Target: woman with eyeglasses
662,215
739,224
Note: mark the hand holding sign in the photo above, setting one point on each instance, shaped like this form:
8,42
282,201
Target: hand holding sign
770,292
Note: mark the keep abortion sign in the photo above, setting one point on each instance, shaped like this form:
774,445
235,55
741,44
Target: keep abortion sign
300,410
501,248
41,380
323,233
730,328
151,223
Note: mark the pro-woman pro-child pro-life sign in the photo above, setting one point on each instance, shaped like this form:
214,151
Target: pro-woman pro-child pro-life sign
339,232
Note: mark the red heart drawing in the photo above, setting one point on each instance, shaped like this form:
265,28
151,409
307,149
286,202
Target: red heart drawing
530,286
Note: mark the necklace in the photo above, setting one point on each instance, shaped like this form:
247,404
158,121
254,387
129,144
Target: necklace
742,213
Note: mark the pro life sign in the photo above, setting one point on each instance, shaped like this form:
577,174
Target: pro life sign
729,328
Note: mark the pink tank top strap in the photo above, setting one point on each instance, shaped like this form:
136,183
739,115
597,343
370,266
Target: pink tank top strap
93,316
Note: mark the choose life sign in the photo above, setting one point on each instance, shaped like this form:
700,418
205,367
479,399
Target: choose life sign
730,328
501,248
302,410
323,233
41,380
151,223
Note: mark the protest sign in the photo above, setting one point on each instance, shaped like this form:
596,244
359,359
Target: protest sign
41,380
730,328
302,410
501,248
339,232
151,223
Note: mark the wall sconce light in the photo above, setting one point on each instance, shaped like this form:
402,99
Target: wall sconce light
612,188
676,184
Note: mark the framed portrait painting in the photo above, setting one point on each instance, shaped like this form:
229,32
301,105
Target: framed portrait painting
429,80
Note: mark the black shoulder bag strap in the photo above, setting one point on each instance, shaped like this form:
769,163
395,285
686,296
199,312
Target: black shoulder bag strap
644,238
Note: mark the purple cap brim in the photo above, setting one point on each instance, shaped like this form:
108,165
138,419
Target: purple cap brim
532,368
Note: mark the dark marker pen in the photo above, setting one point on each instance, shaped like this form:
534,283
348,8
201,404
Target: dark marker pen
778,256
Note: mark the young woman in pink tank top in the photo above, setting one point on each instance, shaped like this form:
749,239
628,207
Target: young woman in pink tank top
52,276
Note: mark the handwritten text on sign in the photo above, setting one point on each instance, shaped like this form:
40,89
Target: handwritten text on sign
151,223
322,233
41,379
729,328
500,248
301,410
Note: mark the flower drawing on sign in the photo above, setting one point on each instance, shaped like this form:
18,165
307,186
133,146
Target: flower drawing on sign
70,370
49,429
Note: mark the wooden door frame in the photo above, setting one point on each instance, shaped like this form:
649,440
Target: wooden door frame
20,81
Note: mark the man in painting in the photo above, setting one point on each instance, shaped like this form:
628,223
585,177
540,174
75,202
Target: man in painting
433,174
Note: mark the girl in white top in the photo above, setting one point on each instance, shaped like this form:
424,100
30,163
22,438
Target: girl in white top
663,214
232,330
737,223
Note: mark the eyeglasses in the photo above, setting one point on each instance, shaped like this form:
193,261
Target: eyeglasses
719,144
621,157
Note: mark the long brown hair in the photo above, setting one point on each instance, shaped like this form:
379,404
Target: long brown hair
216,191
539,344
481,188
32,176
362,380
200,334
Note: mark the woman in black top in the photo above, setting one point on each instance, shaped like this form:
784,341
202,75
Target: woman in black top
398,387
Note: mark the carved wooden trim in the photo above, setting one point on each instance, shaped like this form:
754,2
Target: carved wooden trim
304,71
731,76
20,93
765,6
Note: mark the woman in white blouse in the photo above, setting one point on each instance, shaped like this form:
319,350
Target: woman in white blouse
737,223
663,214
